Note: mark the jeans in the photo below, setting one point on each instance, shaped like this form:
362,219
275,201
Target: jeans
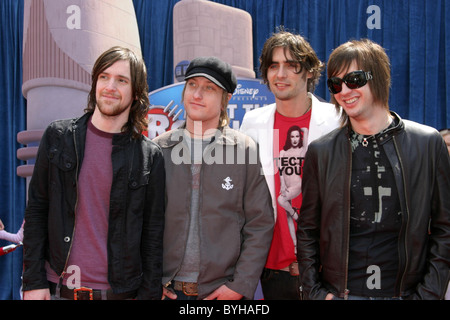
280,285
180,294
350,297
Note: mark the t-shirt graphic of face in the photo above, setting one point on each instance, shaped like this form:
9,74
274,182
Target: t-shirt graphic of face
290,146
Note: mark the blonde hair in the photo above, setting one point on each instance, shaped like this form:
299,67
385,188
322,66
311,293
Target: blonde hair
224,119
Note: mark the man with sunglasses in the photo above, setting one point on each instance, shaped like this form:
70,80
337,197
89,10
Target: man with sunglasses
291,69
375,220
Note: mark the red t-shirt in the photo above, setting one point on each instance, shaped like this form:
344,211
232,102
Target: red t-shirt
290,145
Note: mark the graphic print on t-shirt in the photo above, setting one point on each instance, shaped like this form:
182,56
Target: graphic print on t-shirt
375,220
290,164
289,149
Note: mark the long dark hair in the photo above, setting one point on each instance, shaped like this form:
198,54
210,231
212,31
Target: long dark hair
369,56
288,143
300,50
137,120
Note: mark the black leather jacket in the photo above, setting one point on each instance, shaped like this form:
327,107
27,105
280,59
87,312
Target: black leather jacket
421,165
136,209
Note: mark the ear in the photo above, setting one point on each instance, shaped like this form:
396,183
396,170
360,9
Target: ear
223,107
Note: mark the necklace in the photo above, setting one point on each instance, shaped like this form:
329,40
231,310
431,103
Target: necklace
309,107
365,141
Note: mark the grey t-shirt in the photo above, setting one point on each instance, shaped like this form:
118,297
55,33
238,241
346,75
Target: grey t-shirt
190,267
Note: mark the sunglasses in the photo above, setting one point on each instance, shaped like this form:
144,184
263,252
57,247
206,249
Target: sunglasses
353,80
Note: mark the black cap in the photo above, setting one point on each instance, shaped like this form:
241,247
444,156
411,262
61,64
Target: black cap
214,70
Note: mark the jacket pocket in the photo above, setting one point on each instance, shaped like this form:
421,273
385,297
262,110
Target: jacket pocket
140,180
62,170
137,193
62,160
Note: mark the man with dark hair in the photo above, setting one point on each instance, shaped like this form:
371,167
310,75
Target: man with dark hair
95,214
291,69
375,218
445,133
219,220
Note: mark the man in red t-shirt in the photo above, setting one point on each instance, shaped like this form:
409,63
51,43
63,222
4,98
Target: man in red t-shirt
291,69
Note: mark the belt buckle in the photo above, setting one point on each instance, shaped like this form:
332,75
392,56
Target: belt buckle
189,293
81,290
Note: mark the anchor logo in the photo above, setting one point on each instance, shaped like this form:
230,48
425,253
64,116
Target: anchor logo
227,185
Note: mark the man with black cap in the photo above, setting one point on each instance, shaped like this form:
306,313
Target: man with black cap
219,218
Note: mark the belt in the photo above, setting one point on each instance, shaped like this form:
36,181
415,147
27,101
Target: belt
188,288
84,293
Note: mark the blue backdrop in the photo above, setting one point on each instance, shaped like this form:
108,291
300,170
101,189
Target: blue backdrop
415,33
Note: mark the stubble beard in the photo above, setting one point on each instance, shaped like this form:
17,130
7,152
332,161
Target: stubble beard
110,110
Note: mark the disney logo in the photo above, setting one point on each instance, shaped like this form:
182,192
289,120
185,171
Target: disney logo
246,91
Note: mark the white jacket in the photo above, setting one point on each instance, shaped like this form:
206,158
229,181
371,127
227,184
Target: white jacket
258,124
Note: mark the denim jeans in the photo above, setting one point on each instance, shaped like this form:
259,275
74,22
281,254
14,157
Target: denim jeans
180,294
280,285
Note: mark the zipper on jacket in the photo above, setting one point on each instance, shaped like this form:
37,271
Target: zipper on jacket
76,203
404,216
349,168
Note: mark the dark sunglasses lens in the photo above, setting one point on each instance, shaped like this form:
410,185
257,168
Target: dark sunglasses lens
355,80
334,85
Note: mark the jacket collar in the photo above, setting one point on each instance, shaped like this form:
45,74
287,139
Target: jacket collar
316,116
387,134
81,121
81,124
223,135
